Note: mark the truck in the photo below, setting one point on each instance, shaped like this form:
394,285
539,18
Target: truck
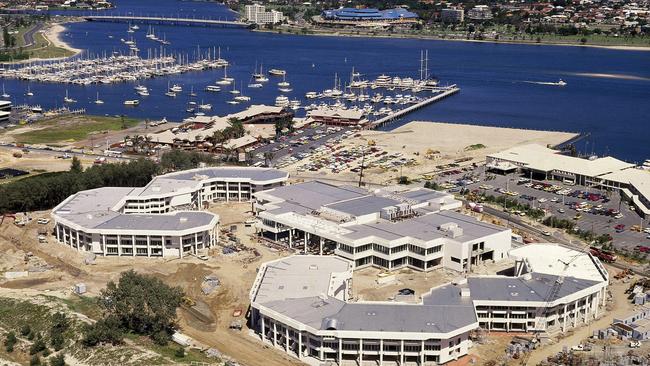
603,255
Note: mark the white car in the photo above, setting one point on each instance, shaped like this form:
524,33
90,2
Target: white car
546,233
647,230
542,200
43,221
635,344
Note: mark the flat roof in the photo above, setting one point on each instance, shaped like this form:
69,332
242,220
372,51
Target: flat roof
294,286
315,194
552,259
541,158
638,178
176,221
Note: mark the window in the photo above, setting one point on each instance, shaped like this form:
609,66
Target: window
380,248
455,260
435,249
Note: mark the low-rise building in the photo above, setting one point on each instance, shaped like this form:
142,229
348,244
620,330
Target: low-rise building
302,305
480,12
414,228
635,325
606,172
164,218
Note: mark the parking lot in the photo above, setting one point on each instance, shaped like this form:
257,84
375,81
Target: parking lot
600,212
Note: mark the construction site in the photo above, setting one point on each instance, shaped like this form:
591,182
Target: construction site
217,284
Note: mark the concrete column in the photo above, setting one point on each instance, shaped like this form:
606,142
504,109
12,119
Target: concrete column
119,245
148,246
180,246
401,353
299,345
57,233
104,244
275,334
564,321
290,238
321,245
263,329
340,351
381,352
196,243
227,191
422,353
361,352
239,193
133,245
306,241
78,245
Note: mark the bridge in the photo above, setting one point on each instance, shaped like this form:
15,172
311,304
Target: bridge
166,20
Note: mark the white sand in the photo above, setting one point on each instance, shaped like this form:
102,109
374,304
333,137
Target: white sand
53,34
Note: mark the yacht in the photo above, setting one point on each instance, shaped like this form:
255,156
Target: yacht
242,98
225,80
29,92
232,102
255,85
176,88
97,100
277,72
133,102
37,109
192,93
285,90
260,76
144,92
205,107
212,88
234,90
170,94
281,101
559,83
311,95
4,94
294,104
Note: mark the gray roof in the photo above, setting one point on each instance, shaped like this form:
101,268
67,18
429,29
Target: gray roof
252,173
425,228
502,288
381,317
363,205
422,194
178,221
314,194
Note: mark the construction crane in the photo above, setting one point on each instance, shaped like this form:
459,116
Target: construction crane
542,313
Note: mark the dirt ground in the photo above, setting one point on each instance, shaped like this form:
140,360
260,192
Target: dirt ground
236,272
452,141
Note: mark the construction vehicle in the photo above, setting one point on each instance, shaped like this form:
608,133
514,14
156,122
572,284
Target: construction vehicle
371,143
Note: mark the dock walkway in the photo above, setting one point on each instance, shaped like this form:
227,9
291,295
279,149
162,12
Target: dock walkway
451,90
165,20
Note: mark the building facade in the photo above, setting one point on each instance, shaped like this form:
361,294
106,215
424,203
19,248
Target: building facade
164,218
450,15
301,305
256,13
416,228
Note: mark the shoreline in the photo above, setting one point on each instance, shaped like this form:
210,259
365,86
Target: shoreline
435,38
52,34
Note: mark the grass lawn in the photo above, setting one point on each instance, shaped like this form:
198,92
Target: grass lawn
72,128
44,49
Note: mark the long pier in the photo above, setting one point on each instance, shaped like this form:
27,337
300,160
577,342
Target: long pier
166,20
392,117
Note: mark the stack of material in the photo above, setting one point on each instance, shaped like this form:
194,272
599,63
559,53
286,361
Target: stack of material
210,283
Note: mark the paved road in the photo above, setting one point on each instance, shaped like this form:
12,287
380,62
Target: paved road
55,153
29,35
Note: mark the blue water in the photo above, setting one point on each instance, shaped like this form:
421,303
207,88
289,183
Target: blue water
493,77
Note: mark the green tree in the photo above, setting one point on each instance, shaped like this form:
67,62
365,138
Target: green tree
180,352
75,165
37,346
58,360
106,330
25,330
141,304
60,324
10,342
35,361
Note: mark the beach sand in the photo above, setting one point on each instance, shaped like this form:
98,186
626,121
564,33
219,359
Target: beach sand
53,34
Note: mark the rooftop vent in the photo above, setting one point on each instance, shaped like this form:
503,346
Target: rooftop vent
331,324
313,267
527,276
464,292
514,294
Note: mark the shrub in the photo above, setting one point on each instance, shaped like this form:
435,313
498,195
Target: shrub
25,330
58,360
37,346
35,361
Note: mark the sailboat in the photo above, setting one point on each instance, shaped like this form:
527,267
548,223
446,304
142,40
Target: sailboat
97,100
225,80
29,92
4,94
259,76
234,90
242,97
67,99
192,93
284,83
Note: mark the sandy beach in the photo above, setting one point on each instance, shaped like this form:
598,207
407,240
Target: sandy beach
53,34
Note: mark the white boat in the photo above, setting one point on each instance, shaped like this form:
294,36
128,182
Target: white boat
255,85
294,104
97,100
282,101
284,83
277,72
285,90
212,88
4,94
135,27
232,102
133,102
37,109
29,92
140,88
67,99
311,95
144,93
205,107
176,88
234,91
225,80
242,98
260,76
170,94
192,93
